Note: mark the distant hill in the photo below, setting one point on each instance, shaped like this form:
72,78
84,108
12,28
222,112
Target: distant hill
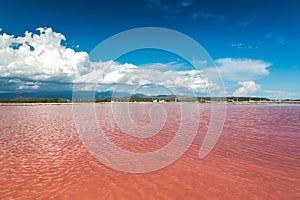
108,96
67,95
39,94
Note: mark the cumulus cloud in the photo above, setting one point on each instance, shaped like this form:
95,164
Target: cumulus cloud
237,69
248,88
132,76
39,61
40,57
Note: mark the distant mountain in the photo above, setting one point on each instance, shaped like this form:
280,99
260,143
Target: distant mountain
67,94
39,94
164,96
109,94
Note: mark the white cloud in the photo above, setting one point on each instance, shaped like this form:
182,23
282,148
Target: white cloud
34,61
248,88
29,85
131,76
237,69
40,57
279,94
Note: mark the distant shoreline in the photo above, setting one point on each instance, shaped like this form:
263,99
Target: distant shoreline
204,103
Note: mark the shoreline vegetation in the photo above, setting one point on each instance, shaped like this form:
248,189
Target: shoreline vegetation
147,100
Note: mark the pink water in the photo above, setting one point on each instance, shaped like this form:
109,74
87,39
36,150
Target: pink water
256,157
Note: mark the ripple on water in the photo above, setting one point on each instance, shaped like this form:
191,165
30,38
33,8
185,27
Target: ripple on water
257,156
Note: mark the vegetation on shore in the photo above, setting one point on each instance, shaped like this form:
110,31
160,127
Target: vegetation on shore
164,99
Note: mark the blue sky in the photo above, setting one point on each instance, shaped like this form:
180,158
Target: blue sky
259,36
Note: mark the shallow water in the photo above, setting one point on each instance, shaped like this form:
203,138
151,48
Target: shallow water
256,157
